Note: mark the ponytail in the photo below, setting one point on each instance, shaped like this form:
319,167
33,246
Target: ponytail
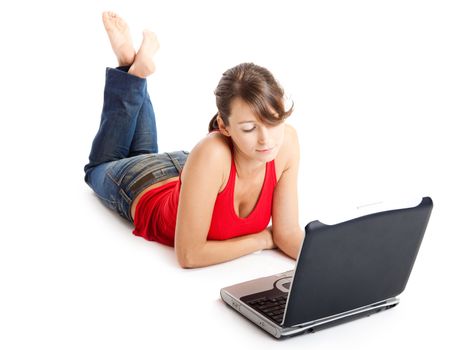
213,125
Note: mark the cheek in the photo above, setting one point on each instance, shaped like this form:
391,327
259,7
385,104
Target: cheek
251,141
246,141
278,135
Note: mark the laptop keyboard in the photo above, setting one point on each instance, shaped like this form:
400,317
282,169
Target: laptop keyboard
272,308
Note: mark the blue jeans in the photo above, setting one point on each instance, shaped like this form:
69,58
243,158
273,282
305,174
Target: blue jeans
124,158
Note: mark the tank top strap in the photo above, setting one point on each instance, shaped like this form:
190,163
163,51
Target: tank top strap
272,172
233,169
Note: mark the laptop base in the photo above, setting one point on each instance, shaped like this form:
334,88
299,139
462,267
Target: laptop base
310,327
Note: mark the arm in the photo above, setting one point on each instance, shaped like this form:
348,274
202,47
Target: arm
214,252
286,231
203,176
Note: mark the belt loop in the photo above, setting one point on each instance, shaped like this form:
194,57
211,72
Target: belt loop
175,162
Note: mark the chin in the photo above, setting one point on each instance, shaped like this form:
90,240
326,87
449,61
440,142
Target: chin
268,155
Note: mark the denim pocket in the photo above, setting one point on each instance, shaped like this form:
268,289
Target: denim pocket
126,169
118,170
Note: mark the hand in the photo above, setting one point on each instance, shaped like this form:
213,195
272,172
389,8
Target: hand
268,241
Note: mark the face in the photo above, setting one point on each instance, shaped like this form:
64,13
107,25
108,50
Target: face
250,135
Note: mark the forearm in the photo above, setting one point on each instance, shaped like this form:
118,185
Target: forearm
290,244
215,252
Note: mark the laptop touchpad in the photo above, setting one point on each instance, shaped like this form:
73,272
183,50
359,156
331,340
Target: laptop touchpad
284,284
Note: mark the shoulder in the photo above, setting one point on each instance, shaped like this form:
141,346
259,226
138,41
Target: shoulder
211,156
293,145
289,153
291,137
291,132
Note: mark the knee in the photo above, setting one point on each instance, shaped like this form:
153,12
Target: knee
87,176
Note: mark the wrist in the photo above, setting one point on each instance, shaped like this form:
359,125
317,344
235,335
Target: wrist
261,240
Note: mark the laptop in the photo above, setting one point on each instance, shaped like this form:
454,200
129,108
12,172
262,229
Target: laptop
344,271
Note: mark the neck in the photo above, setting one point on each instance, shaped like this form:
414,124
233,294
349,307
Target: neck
246,167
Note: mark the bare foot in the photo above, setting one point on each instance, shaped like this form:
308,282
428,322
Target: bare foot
119,35
143,65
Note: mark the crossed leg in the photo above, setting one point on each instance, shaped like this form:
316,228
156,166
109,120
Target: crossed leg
127,126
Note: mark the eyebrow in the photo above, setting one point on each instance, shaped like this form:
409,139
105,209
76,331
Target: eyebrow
248,121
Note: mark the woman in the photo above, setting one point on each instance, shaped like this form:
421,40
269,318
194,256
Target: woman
213,204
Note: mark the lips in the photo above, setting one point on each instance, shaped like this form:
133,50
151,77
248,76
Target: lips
265,150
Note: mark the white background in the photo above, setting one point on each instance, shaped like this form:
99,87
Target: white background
378,91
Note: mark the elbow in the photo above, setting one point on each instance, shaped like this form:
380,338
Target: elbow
189,254
185,259
184,263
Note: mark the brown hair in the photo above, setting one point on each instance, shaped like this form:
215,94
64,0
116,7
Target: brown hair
257,87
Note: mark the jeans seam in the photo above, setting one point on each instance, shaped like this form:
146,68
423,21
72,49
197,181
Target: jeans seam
175,162
128,201
112,178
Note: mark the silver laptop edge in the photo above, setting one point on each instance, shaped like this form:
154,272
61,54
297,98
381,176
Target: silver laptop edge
278,331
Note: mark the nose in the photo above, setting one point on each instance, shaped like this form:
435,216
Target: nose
263,135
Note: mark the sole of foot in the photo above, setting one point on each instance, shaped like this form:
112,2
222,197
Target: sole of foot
144,65
120,38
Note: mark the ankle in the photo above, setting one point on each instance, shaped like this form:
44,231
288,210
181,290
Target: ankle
133,70
126,60
142,69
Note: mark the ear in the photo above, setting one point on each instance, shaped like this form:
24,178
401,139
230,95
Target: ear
222,126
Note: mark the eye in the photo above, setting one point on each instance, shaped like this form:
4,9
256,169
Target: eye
250,130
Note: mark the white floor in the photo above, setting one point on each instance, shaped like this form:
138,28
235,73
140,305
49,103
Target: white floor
378,100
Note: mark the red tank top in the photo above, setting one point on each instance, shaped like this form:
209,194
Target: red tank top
156,212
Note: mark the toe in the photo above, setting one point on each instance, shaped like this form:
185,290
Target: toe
106,19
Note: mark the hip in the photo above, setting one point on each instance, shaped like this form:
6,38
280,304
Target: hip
150,187
120,183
